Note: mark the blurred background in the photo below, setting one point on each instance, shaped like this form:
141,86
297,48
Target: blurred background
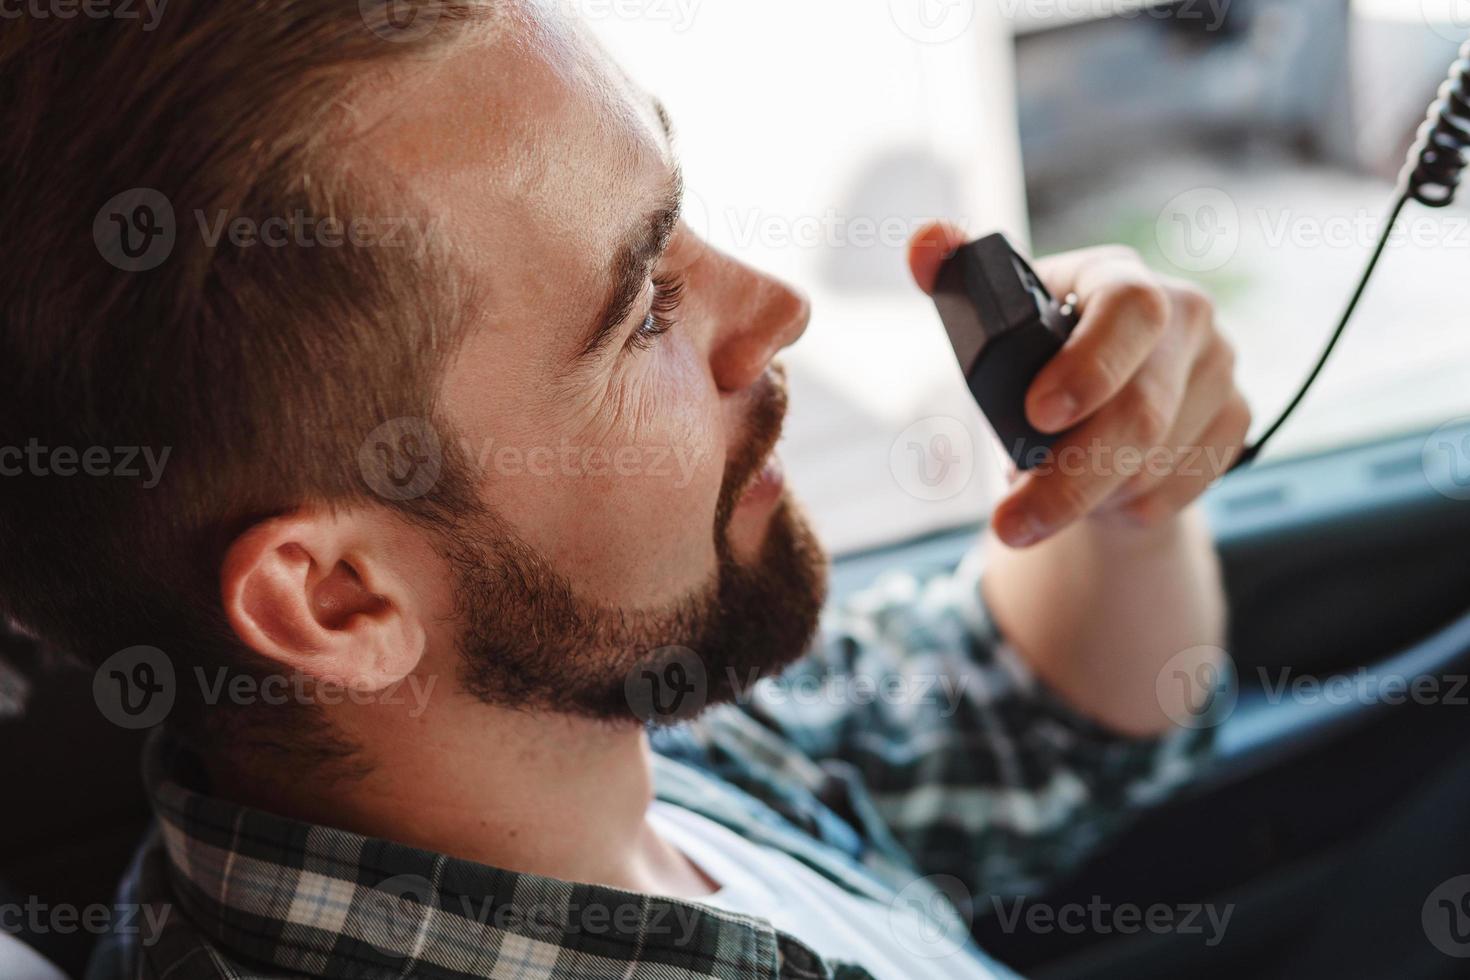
1249,145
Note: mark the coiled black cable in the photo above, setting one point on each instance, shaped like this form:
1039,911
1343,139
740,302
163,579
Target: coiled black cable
1432,176
1437,161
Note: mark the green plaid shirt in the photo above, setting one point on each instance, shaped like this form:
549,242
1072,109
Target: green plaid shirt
911,759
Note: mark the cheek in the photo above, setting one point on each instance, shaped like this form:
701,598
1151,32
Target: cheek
622,498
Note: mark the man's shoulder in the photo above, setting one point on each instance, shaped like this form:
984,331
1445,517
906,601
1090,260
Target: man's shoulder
162,941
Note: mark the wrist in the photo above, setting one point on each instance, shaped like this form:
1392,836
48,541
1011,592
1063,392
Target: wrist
1121,536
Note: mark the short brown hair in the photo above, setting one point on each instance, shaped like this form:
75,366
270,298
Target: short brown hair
260,370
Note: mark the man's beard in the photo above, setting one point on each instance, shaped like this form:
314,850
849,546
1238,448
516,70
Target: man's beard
530,642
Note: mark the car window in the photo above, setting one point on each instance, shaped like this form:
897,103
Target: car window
1258,155
1249,146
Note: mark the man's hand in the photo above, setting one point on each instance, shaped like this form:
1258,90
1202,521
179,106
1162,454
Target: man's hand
1145,383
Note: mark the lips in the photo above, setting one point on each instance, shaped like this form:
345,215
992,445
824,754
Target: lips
755,467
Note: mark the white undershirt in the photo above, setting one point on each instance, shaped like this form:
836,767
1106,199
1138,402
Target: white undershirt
761,881
19,962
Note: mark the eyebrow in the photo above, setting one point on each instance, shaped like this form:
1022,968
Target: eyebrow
636,255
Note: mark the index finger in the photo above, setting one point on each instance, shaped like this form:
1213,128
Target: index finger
928,249
1124,314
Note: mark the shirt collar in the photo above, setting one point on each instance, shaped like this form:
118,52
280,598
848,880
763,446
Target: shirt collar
330,903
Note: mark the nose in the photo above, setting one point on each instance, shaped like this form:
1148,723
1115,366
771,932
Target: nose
759,316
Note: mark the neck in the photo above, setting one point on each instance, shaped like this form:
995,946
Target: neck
549,795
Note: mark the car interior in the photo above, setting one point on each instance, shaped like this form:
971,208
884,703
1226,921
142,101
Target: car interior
1346,560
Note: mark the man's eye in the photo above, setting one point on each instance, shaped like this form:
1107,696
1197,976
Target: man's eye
668,291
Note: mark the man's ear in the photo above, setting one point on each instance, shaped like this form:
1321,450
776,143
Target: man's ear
320,594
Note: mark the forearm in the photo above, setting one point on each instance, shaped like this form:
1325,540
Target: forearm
1097,610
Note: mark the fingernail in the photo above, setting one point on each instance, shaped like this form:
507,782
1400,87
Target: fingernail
1054,412
1020,530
